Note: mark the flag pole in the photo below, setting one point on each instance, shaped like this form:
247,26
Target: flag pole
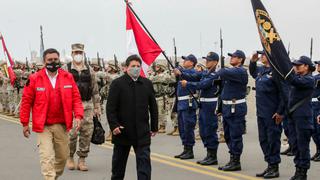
148,32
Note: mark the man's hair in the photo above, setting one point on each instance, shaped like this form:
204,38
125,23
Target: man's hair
49,51
133,58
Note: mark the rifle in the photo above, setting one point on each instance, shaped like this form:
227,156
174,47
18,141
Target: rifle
311,48
99,63
27,65
103,65
221,50
116,63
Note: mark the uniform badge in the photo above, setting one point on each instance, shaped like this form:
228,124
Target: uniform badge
41,89
67,86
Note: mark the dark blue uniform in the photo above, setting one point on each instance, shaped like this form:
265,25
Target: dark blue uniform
316,110
187,116
301,119
208,120
234,107
268,102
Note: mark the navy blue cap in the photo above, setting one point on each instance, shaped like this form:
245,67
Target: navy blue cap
212,56
304,60
190,57
238,53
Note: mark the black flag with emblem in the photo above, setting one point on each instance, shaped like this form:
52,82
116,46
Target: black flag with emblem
271,41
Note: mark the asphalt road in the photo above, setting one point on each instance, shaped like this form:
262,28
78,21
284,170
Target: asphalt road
20,161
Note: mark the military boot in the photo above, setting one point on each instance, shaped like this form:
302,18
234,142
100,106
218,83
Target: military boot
285,152
234,165
176,133
316,156
263,173
188,154
82,165
273,172
162,129
183,152
211,158
174,130
300,174
228,164
70,163
109,136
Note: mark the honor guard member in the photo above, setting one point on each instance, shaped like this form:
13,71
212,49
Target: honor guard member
234,107
186,107
270,109
205,82
161,80
300,114
316,110
84,76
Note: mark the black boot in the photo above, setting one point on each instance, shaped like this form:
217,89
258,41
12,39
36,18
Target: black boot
211,158
263,173
300,174
183,152
235,165
188,154
286,151
273,172
316,156
228,164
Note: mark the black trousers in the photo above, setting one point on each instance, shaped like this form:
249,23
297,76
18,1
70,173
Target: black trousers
120,157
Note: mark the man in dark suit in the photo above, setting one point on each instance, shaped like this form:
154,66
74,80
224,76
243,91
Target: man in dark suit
130,102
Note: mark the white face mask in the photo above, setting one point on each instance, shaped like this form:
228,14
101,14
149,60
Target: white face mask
78,58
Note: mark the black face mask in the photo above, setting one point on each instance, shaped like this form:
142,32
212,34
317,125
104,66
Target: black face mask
53,67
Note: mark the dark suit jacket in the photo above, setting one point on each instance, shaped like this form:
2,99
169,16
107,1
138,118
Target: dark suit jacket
132,104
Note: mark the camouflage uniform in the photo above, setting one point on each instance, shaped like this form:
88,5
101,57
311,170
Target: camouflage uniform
161,82
24,77
112,74
86,130
1,92
17,90
5,100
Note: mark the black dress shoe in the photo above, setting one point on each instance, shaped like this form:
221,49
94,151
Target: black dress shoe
300,174
273,172
316,156
234,165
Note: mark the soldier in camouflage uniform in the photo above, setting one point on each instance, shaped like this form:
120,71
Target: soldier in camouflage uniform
84,76
101,80
17,88
161,80
24,77
113,73
1,92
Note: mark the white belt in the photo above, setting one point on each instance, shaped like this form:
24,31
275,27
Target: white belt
240,101
208,99
315,100
182,98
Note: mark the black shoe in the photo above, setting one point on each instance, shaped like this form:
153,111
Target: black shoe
211,158
317,159
188,154
316,156
228,164
273,172
181,154
205,159
263,173
286,151
234,165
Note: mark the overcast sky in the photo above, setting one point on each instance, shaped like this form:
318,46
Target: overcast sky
100,25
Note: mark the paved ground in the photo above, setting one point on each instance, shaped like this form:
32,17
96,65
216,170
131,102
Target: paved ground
19,158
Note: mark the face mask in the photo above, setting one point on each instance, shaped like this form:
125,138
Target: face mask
53,67
78,58
134,72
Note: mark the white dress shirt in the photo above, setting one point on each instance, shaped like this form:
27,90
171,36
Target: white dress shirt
53,79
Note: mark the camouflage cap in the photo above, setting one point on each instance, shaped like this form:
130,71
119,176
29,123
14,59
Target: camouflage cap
112,64
94,61
77,47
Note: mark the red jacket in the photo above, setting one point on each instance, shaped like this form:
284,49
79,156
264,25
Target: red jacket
35,96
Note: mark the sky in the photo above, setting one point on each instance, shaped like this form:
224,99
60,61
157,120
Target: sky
195,24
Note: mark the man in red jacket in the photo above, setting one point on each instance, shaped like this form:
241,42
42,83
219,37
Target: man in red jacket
54,98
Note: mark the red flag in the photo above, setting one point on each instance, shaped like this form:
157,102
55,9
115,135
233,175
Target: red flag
139,42
10,63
